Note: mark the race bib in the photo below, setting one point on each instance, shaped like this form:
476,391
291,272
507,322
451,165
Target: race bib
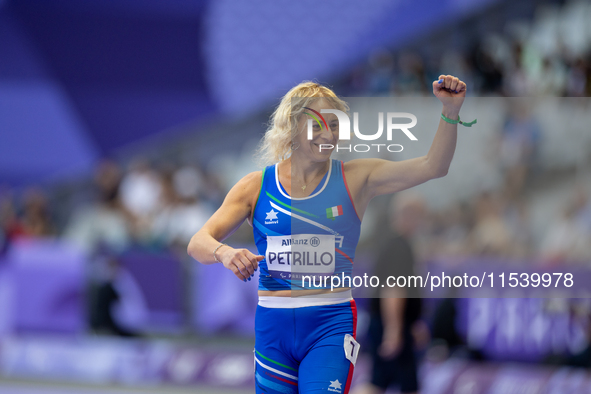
290,256
351,347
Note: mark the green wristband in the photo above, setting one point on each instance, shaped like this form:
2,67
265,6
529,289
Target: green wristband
466,124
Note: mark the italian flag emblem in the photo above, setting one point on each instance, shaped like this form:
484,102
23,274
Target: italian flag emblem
333,212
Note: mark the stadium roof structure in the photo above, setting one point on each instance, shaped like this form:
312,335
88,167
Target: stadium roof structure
79,80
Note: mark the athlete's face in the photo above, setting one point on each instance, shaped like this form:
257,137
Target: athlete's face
319,147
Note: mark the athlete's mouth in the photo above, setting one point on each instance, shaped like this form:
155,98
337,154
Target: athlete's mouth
324,146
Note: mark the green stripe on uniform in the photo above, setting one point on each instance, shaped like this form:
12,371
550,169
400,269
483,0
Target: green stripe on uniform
275,362
289,206
260,190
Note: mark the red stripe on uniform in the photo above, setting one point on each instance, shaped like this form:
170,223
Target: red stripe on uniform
354,311
340,209
282,379
344,254
349,379
352,367
347,187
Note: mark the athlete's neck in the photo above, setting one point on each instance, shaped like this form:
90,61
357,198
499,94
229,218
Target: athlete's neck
298,173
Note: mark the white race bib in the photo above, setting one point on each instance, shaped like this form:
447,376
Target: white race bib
300,254
351,347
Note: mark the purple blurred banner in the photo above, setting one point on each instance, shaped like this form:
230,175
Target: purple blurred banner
458,376
522,329
159,279
43,288
156,363
126,362
510,323
222,302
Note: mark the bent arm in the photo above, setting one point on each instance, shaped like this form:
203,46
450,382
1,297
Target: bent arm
237,206
393,176
374,177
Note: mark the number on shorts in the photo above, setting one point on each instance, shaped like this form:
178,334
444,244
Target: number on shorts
351,348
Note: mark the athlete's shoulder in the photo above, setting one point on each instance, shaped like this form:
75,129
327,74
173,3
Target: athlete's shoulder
247,188
255,176
359,167
251,181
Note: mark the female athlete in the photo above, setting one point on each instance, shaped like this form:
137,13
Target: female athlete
306,212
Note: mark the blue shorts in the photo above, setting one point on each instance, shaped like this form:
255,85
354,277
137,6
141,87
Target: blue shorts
305,350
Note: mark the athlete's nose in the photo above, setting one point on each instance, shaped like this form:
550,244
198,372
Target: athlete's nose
326,134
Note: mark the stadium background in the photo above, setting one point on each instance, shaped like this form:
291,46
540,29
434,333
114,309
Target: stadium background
124,123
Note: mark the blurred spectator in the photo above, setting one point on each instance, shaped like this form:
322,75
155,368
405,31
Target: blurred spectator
488,70
554,73
35,221
522,71
581,309
381,65
514,64
395,312
3,241
519,142
141,195
516,216
582,207
567,240
411,78
188,182
454,229
445,336
36,218
103,223
182,213
491,235
356,82
12,226
577,79
118,307
588,75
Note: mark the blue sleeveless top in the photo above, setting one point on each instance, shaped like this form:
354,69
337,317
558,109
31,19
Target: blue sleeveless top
305,239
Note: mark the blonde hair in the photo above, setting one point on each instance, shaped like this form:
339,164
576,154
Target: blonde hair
276,143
